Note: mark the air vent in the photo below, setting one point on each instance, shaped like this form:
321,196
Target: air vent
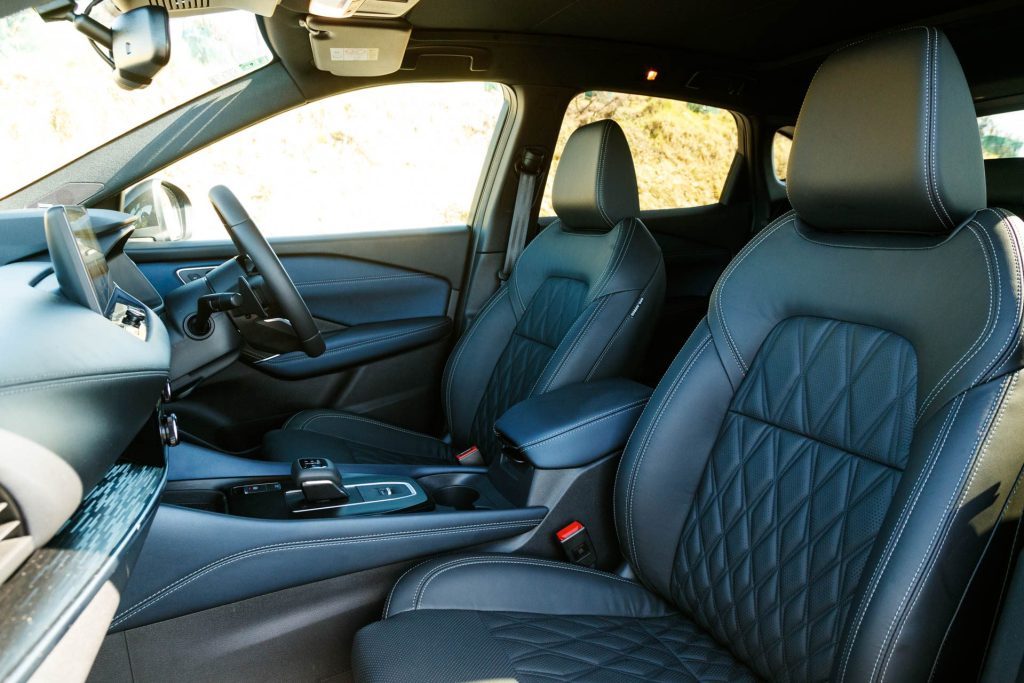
15,544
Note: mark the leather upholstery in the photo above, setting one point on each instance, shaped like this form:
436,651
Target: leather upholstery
910,162
832,455
573,426
595,185
356,439
497,619
1004,179
579,306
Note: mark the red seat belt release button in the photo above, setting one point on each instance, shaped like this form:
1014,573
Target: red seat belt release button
471,456
575,541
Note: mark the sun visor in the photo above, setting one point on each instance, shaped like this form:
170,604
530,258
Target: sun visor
354,48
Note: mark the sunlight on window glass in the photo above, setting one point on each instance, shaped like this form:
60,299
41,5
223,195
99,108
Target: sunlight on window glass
60,100
384,158
781,146
1002,135
682,151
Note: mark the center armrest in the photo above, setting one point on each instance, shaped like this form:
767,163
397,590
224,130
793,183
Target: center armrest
574,425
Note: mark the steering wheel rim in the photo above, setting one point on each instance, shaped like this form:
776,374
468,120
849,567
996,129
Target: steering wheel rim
250,242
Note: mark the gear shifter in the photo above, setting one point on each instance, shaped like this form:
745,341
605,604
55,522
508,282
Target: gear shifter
319,480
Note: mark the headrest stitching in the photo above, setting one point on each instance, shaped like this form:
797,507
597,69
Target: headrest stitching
929,191
599,179
934,129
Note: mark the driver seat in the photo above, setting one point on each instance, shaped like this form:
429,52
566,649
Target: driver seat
580,305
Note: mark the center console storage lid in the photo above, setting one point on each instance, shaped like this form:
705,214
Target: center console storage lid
574,425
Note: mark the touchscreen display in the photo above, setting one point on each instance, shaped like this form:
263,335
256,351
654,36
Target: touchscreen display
92,256
77,257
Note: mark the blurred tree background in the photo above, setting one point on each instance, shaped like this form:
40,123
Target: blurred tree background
682,151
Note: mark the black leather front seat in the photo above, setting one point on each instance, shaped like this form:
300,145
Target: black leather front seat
580,305
830,457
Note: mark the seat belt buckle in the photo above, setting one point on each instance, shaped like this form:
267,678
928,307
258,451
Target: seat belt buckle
576,543
471,457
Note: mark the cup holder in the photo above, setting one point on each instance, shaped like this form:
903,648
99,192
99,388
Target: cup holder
458,497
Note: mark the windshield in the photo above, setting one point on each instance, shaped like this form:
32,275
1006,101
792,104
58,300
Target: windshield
60,101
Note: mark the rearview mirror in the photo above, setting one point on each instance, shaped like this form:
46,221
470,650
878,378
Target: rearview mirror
161,210
141,46
139,40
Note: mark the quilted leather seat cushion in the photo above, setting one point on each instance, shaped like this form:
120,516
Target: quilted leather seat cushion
348,438
462,645
493,617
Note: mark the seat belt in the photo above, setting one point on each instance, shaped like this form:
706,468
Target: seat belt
529,169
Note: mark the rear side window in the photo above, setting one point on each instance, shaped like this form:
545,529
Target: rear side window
1002,135
682,151
782,143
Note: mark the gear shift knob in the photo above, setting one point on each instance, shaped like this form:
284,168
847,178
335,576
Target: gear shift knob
318,479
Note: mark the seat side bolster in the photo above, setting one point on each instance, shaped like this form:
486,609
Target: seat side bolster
937,532
491,582
666,455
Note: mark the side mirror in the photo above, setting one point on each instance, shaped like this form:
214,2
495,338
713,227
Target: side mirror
162,210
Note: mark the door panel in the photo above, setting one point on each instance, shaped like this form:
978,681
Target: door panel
382,302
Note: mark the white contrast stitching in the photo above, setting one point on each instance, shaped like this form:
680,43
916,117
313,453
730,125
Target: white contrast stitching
565,356
991,321
901,524
944,526
586,423
353,345
358,418
765,234
646,439
428,578
464,344
153,598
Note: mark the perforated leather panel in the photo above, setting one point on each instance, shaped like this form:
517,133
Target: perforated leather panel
796,488
611,649
551,312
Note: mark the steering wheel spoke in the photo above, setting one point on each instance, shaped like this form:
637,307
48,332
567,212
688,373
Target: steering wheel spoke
251,244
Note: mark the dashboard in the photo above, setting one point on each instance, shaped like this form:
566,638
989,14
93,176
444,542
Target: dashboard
85,361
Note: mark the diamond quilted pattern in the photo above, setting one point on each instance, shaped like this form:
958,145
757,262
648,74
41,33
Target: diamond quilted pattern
552,311
594,648
851,386
795,491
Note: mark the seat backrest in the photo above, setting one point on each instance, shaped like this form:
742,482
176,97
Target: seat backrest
833,451
580,303
1004,179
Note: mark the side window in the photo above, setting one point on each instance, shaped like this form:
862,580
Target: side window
781,144
1002,135
682,151
384,158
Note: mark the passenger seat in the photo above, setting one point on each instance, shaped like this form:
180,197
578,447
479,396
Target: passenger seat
1005,181
580,305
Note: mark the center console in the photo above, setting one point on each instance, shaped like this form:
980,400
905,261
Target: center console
231,528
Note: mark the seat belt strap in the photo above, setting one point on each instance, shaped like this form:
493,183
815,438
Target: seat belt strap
529,169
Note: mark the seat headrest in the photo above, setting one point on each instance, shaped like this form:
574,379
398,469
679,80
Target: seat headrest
595,184
1005,179
887,139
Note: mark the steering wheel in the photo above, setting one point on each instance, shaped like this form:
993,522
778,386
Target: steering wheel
250,242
